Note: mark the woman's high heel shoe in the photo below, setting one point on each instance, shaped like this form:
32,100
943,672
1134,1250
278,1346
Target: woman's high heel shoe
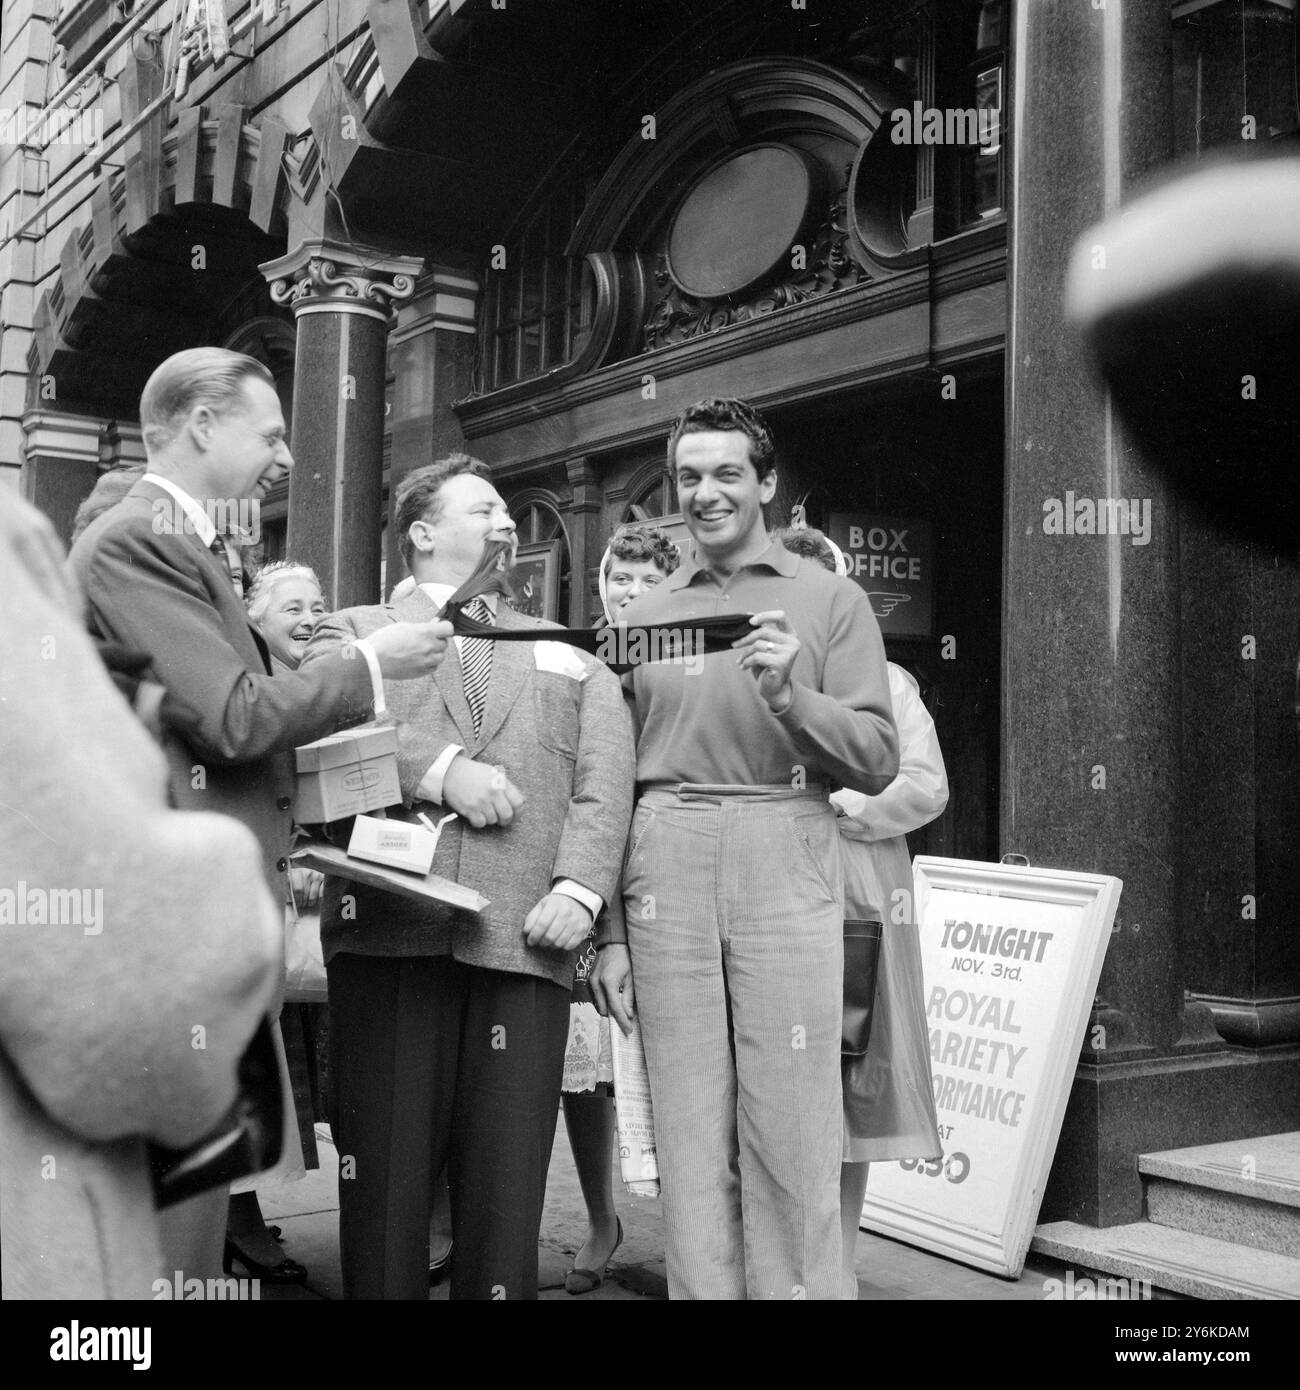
286,1271
588,1280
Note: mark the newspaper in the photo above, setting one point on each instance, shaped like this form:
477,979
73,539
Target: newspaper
638,1163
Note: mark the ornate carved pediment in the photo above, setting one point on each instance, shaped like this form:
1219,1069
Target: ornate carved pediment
827,266
738,218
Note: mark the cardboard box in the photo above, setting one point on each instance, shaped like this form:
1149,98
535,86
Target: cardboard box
396,843
347,773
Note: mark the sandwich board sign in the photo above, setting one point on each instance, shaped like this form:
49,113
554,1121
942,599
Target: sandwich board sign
1011,958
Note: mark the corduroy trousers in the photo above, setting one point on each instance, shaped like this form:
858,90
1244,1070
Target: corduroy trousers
734,912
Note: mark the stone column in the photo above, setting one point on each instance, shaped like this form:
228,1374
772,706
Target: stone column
1241,875
61,456
1091,774
342,299
586,540
433,362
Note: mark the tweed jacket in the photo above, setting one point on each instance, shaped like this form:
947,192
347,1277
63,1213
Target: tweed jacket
555,721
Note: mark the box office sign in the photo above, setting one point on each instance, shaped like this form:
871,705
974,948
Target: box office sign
1011,960
892,558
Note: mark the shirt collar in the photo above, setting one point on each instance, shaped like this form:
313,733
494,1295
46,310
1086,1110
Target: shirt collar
776,558
440,593
194,513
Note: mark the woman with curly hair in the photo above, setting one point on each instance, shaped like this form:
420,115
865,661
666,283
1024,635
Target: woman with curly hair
637,558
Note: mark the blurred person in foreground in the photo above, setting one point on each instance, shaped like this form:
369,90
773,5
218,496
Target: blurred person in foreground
97,1014
888,1092
156,572
1193,325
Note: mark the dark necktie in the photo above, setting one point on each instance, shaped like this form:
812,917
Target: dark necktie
667,640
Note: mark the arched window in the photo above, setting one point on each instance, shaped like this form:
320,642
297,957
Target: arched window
542,570
538,306
537,522
655,502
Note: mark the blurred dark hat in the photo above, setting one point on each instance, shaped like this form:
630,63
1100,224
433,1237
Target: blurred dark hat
1189,301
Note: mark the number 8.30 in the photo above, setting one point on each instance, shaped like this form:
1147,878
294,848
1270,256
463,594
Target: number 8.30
955,1166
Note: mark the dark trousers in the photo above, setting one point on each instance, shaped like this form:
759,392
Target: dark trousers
434,1061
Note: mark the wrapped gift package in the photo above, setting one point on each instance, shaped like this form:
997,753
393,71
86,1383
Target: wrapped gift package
347,773
396,843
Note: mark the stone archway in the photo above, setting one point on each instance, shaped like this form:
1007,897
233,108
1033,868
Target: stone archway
169,244
170,250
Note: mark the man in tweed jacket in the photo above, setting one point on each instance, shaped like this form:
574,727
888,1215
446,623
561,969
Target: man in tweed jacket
448,1027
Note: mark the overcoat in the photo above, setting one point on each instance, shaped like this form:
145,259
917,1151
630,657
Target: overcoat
99,1006
888,1099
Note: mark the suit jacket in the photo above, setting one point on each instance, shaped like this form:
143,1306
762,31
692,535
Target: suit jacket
555,720
230,727
97,1042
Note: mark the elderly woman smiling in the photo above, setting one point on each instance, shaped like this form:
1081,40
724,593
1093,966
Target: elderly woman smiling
286,603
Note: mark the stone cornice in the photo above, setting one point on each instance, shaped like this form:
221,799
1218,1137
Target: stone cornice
976,258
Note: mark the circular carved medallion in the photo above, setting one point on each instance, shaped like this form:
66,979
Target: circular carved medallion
737,224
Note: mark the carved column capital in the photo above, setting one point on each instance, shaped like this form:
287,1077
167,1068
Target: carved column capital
326,277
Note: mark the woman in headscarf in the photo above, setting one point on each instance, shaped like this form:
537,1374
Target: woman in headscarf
637,558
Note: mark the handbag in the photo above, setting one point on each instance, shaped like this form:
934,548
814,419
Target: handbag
247,1140
861,960
304,961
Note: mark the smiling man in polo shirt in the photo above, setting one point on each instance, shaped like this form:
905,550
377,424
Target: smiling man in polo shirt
733,905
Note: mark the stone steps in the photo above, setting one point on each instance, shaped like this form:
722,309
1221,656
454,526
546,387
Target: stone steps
1223,1222
1165,1260
1246,1191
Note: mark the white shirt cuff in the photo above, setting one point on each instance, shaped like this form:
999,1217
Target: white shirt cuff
430,788
593,902
376,675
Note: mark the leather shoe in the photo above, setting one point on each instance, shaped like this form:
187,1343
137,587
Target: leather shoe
440,1268
588,1280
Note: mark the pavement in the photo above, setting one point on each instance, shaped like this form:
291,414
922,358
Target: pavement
307,1213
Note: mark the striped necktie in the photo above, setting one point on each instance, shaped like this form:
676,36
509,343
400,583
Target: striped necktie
476,662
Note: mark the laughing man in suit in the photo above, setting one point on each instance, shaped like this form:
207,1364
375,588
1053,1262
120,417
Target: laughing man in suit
155,573
448,1028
